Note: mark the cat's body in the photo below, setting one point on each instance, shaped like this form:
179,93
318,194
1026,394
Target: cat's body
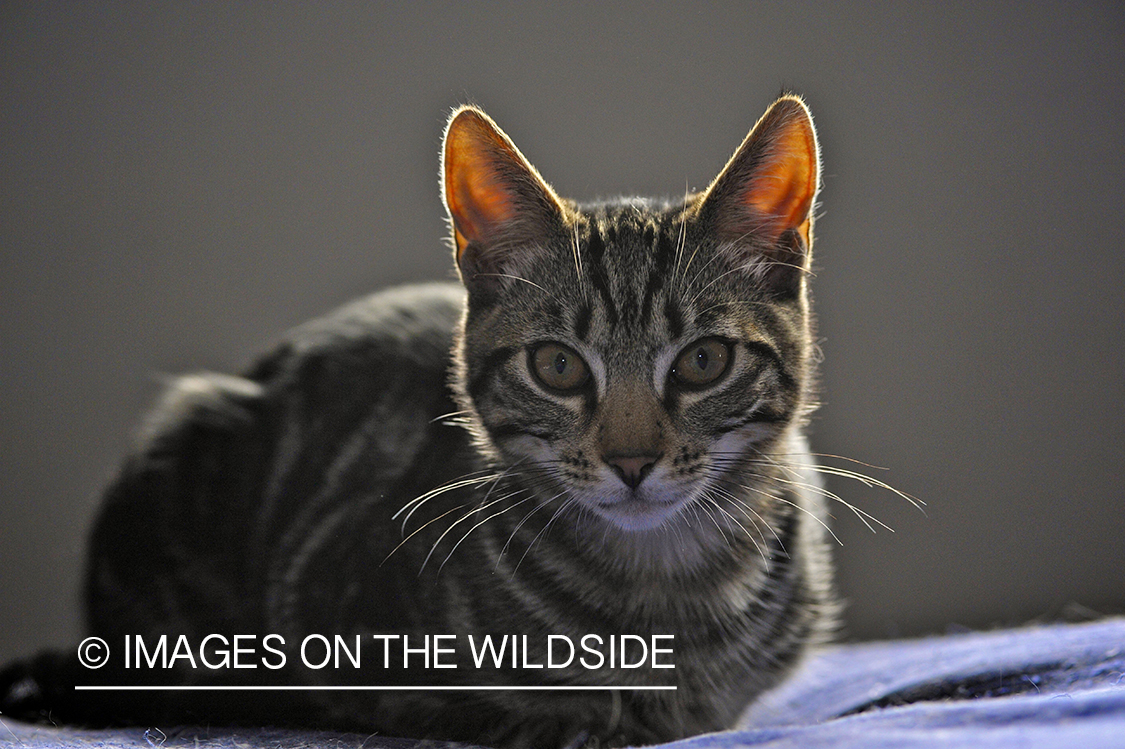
614,447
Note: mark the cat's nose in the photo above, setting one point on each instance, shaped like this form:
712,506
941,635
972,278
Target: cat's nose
632,468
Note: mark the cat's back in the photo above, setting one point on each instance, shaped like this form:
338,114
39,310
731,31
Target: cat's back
341,419
375,367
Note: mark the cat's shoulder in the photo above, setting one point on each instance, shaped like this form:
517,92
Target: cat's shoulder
413,317
407,328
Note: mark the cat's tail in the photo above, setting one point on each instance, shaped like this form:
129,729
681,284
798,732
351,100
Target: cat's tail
41,690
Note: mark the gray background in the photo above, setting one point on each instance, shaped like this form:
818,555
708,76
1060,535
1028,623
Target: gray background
180,183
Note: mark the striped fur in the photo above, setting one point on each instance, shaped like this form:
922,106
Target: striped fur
361,479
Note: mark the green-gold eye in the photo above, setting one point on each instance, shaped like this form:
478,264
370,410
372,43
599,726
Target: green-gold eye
559,367
701,363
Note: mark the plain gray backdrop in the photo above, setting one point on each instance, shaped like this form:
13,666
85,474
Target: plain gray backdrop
180,183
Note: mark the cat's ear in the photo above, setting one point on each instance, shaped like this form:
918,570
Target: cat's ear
499,207
761,204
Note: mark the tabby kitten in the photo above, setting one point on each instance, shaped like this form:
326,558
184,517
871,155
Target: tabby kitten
600,433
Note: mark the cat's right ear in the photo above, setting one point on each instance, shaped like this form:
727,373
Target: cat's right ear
499,207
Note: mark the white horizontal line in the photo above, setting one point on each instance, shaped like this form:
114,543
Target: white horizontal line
342,688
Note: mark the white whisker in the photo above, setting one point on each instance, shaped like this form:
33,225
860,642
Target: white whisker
421,499
462,519
547,525
477,525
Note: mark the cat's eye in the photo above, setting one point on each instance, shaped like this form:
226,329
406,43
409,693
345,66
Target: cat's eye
701,363
559,367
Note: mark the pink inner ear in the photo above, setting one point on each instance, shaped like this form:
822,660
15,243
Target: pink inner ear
478,201
784,186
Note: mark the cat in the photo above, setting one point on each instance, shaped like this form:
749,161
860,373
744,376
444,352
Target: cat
599,431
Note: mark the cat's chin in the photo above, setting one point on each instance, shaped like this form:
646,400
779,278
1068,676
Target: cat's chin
636,515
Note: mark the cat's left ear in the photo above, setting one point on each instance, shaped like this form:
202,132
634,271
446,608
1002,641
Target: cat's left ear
761,204
501,210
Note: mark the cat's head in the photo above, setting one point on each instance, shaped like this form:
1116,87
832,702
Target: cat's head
634,357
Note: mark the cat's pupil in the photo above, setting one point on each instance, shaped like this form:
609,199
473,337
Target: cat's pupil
560,362
701,358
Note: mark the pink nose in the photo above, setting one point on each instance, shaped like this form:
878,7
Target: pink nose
632,468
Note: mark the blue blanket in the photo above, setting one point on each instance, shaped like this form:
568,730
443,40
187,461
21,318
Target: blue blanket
1052,686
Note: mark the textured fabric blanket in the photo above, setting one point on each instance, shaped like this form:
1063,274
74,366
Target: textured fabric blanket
1052,686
